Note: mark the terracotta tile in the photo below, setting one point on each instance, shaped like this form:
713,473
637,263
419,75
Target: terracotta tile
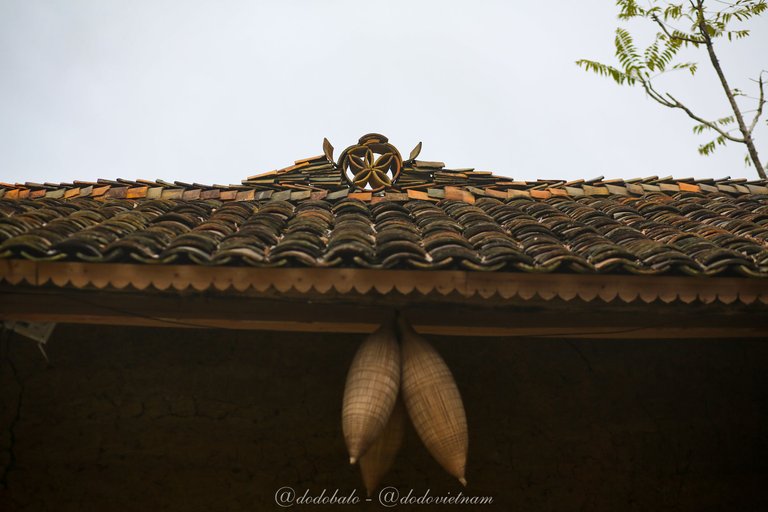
561,192
360,196
173,193
454,193
136,192
416,194
117,192
245,195
213,193
517,193
688,187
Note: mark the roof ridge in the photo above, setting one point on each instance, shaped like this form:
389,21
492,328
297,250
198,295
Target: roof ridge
359,174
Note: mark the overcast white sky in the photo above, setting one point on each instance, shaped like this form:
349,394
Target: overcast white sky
215,91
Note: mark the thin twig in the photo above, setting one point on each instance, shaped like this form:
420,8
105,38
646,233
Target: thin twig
675,103
760,103
703,121
673,36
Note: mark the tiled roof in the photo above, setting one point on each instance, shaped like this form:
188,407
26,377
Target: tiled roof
431,217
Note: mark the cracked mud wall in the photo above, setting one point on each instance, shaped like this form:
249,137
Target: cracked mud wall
179,419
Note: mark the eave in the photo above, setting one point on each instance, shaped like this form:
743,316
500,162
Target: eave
357,300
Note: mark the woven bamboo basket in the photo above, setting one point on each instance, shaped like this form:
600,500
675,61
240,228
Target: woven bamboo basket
373,383
378,460
433,402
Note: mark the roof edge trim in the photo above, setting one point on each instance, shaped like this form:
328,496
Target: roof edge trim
350,281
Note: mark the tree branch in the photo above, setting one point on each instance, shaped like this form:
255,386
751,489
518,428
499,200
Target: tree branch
674,103
655,94
746,135
708,124
706,25
760,103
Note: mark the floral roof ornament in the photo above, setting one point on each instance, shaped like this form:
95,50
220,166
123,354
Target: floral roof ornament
373,164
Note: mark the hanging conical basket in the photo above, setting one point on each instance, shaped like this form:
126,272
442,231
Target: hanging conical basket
378,459
433,402
372,386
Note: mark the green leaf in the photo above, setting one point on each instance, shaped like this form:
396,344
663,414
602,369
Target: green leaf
673,11
601,69
633,66
629,9
690,66
651,56
723,121
737,34
709,147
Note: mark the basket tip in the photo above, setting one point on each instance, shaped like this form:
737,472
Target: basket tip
463,481
352,460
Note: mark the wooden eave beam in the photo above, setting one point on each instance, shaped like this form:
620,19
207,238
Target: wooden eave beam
68,298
